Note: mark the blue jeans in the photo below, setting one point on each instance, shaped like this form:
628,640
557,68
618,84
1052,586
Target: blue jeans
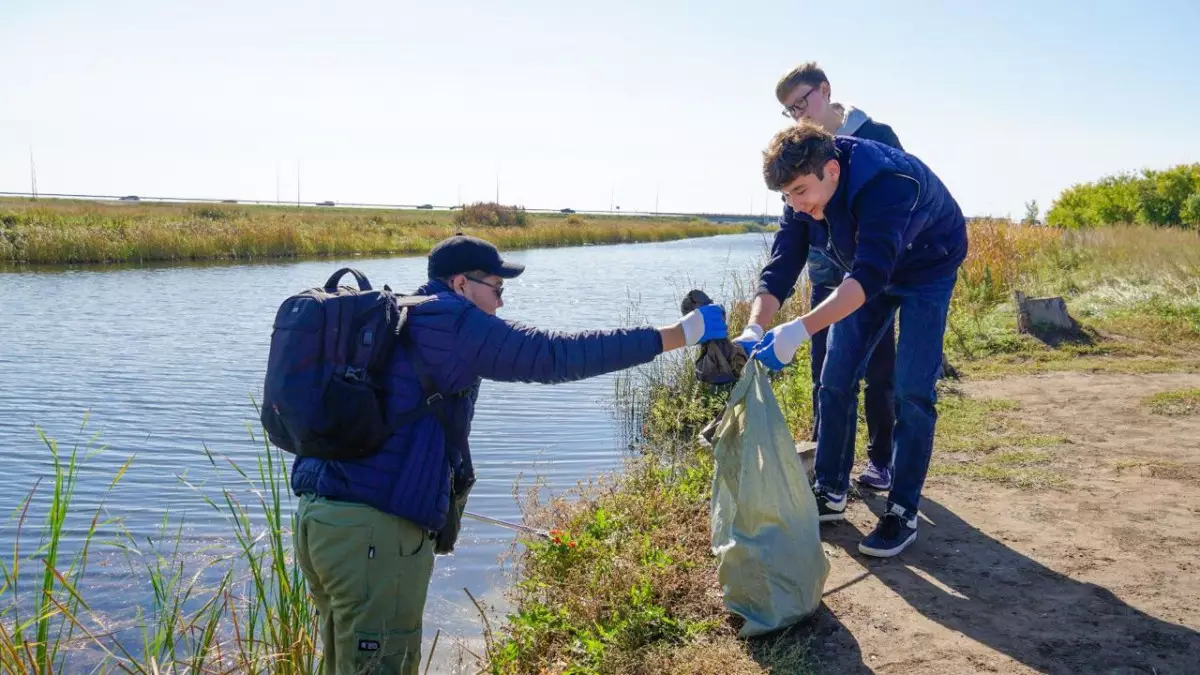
879,403
878,397
922,326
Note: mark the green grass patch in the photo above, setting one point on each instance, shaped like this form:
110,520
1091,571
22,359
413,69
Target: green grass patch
972,425
624,577
1174,403
984,439
1015,468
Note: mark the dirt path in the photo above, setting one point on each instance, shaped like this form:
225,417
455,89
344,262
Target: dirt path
1099,575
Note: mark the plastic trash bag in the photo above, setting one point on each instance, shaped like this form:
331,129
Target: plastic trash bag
771,566
719,361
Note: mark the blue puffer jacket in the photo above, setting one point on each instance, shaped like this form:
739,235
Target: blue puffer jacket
461,345
890,220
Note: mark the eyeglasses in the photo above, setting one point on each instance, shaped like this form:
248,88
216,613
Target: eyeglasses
499,289
797,109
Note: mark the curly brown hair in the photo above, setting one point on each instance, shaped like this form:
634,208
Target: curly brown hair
796,151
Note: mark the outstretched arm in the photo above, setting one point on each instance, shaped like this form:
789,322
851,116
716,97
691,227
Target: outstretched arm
499,350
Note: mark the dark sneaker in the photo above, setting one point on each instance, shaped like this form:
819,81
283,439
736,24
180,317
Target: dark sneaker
876,477
892,535
830,507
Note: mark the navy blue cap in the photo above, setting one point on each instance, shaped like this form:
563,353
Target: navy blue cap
463,253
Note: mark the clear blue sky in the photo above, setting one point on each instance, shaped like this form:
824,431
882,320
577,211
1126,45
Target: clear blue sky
405,102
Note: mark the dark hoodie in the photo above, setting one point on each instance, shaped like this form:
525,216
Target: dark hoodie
860,125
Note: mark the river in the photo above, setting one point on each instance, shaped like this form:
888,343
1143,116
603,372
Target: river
164,361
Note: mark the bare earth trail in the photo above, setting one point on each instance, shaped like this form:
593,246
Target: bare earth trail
1100,574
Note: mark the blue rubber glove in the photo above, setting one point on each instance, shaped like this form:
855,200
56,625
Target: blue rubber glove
780,344
704,324
750,337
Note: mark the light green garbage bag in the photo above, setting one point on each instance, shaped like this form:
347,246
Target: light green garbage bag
771,566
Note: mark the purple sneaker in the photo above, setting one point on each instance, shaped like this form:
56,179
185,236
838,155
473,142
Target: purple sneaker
876,477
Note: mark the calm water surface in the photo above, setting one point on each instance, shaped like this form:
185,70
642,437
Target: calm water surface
164,363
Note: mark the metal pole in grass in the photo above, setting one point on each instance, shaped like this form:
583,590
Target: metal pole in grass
524,529
432,649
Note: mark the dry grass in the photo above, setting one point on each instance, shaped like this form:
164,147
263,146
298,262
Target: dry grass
999,254
1152,468
1134,291
71,232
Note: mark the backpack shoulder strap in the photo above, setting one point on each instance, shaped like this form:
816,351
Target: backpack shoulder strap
433,401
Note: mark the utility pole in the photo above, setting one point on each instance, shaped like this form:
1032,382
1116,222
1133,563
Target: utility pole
32,173
297,182
277,181
656,190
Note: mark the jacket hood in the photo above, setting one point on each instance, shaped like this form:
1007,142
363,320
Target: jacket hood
852,120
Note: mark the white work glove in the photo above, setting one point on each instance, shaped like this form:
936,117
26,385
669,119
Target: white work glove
704,324
780,344
750,337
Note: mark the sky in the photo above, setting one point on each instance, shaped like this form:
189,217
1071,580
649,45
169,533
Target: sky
661,105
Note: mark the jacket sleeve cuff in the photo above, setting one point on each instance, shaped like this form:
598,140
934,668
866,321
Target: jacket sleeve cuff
871,280
766,287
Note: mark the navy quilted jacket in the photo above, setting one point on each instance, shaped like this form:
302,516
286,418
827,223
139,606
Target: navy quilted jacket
461,345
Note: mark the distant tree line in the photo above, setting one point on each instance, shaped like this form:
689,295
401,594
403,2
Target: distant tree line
1169,198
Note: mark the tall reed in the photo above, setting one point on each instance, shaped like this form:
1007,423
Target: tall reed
254,618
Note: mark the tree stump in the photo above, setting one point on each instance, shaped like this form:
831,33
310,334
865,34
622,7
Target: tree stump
1044,313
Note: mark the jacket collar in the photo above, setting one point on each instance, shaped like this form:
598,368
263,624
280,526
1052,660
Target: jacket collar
838,200
433,287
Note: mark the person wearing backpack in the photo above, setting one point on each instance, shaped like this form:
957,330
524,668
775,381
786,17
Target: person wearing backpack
367,528
806,94
899,237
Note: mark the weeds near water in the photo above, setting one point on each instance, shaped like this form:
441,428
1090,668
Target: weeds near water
36,643
254,618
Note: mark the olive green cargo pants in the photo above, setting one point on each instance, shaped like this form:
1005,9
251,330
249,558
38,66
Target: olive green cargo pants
368,573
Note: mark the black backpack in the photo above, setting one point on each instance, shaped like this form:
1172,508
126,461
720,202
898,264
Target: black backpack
322,393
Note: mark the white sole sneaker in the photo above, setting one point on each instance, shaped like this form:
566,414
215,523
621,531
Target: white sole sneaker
829,511
889,552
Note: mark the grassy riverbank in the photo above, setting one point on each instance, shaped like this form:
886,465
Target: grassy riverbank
76,232
629,583
636,591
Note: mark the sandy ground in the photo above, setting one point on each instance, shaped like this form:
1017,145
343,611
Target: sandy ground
1099,575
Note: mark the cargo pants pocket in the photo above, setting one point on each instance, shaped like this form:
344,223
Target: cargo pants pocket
388,630
395,652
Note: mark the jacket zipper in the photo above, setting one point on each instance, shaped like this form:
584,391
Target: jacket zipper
832,250
836,255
